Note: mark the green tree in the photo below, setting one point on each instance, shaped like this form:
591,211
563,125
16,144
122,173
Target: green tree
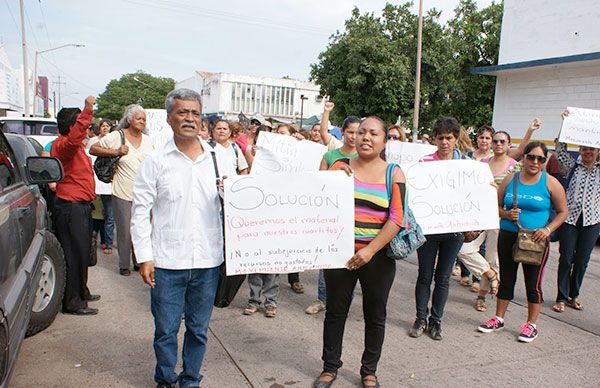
369,68
475,41
133,88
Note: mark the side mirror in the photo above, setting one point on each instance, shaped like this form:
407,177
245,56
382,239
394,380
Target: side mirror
41,169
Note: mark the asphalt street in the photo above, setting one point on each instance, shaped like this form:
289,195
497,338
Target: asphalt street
114,348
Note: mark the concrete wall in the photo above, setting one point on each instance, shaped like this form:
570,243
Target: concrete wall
544,92
536,29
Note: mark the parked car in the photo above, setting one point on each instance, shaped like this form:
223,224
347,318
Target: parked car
41,129
32,263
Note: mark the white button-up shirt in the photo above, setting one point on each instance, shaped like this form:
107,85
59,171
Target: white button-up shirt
175,216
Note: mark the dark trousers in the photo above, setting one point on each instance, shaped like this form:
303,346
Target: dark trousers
576,244
376,278
73,222
99,227
293,278
436,261
534,274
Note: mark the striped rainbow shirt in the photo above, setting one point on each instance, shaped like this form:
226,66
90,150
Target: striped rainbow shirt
372,208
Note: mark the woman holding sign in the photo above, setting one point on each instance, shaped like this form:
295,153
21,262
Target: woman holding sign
438,254
377,221
580,230
536,194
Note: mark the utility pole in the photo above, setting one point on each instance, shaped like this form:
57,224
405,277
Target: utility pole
59,94
25,69
418,75
54,102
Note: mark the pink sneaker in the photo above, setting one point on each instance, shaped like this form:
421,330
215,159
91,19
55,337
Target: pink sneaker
528,332
493,324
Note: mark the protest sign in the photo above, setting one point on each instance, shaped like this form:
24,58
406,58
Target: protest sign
581,127
452,196
157,127
285,154
406,154
306,223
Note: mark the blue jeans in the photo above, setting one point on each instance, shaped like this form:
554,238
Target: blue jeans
177,291
109,219
576,244
322,290
440,248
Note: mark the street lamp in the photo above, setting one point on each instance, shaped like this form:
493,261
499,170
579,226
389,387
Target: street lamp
302,98
35,68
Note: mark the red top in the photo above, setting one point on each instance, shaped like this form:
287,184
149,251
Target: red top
78,184
242,142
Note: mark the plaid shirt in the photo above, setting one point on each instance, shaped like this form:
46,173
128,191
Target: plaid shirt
583,193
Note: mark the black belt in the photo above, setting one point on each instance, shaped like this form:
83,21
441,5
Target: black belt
60,200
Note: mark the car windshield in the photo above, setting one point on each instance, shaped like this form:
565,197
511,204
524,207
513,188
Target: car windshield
13,127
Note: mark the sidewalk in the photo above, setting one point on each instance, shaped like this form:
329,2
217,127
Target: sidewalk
114,348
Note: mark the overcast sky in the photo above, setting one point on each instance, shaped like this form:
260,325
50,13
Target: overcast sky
172,38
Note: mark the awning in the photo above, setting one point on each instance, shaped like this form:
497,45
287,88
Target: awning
494,70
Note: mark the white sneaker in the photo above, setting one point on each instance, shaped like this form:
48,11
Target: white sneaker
315,307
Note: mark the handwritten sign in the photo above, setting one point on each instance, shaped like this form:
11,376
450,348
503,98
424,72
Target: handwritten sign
306,223
284,154
452,196
407,154
156,125
581,127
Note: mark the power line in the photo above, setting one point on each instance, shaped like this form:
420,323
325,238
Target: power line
12,17
229,16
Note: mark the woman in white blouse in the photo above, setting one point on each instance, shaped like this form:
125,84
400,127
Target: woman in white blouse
222,134
136,147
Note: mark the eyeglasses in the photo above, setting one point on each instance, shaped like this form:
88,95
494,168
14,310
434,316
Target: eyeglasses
255,122
499,141
393,137
532,158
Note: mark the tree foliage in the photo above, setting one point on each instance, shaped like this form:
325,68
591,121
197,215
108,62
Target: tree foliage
370,67
133,88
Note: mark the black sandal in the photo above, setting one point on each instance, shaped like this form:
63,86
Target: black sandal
370,379
324,384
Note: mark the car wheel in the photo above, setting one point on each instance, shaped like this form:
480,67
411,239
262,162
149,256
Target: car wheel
50,287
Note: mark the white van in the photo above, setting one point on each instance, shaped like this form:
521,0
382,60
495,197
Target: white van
41,129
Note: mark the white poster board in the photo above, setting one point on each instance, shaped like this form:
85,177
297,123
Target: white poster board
306,223
407,154
581,127
156,125
285,154
452,196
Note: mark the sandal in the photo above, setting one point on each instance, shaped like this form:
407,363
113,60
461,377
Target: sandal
325,383
559,307
107,251
494,284
298,288
575,303
370,381
480,304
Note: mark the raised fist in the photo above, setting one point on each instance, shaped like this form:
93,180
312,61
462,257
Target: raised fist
329,106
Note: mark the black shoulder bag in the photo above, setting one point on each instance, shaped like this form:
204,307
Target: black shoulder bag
105,166
228,285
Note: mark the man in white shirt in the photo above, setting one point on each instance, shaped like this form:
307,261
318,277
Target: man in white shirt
177,236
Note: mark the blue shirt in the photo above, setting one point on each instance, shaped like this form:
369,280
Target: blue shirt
533,200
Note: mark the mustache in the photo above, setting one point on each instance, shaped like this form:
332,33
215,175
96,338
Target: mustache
188,125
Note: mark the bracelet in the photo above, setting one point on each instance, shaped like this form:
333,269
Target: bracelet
548,229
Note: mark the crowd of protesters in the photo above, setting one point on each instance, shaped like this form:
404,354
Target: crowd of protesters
164,206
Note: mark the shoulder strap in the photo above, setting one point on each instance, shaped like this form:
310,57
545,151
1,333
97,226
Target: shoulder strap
235,149
515,178
389,181
217,180
122,136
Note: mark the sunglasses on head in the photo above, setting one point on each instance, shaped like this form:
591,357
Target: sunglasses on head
255,122
541,159
393,137
499,141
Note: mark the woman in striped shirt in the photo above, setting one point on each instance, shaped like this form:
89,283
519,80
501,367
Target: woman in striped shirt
378,216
